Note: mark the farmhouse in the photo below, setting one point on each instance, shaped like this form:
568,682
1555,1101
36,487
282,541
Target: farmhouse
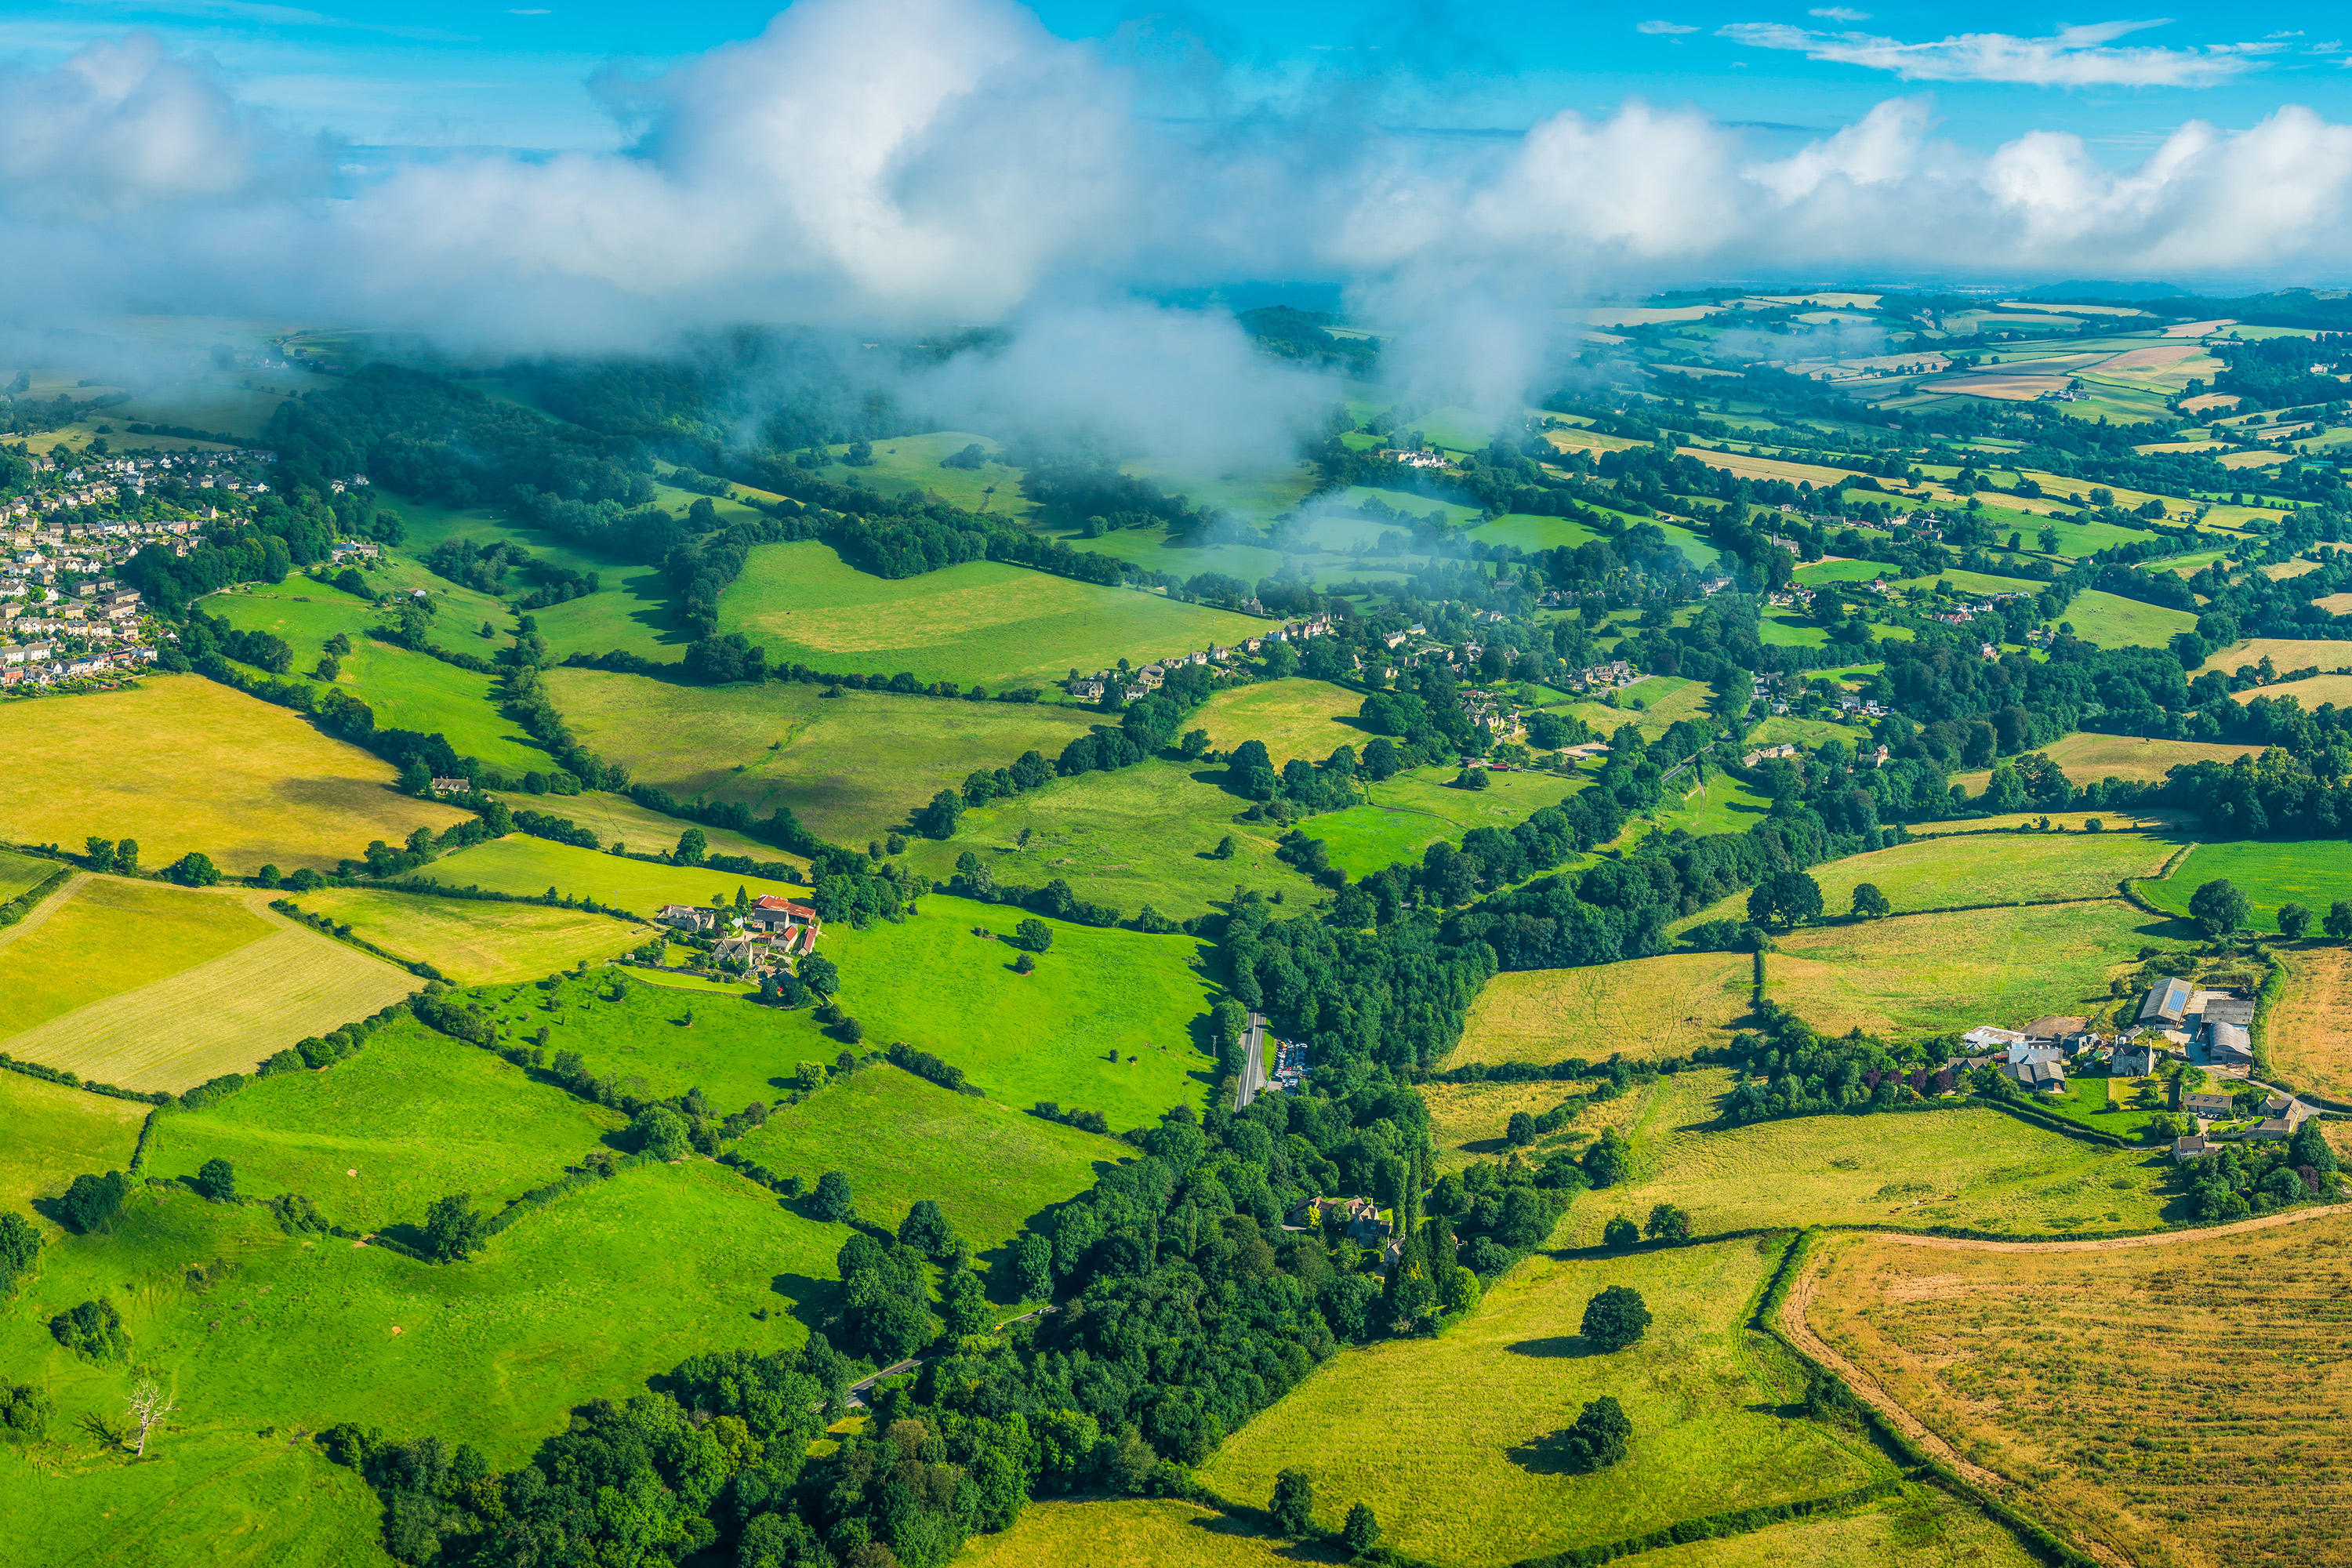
686,917
2134,1058
2040,1076
2190,1146
769,913
2205,1103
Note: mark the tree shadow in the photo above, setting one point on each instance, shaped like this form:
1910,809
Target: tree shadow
405,1233
1549,1455
1555,1347
811,1298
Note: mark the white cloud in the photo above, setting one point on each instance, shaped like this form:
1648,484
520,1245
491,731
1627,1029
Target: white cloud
1664,28
1839,13
2073,56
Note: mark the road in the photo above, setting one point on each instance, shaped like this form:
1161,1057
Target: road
857,1389
1252,1081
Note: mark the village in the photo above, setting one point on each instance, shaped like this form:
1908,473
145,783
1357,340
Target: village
755,939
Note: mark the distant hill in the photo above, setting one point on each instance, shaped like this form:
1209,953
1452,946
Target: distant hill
2079,292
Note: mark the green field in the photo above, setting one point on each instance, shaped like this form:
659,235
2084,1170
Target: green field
1308,718
1938,973
1142,834
909,465
850,767
1451,1440
1132,1532
376,1137
583,1297
1960,870
1643,1007
1414,809
522,865
55,1134
1096,996
1720,805
22,873
406,690
183,763
475,941
1977,1169
2112,621
983,623
2314,873
617,819
989,1166
1845,570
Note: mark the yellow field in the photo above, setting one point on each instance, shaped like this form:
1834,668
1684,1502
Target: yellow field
1921,1527
1643,1007
2252,459
2310,1042
2311,693
227,1015
183,764
1467,1119
2072,821
2284,654
473,941
618,819
1307,719
2180,1404
2086,758
105,936
1749,467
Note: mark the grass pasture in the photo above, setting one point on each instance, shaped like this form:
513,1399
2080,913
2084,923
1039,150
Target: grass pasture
523,865
2285,653
1467,1120
2110,1388
850,766
22,873
1111,1021
1142,834
899,1138
617,819
2313,693
1920,1527
1409,811
1295,718
2272,873
2110,620
1453,1441
1960,870
983,623
183,763
475,941
1641,1009
1973,1168
1132,1532
1935,973
55,1134
376,1137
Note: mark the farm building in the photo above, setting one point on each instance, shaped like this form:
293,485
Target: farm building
2135,1058
2211,1106
2042,1077
771,913
686,917
2167,1005
2190,1146
2230,1044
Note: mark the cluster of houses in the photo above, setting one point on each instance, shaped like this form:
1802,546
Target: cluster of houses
2280,1115
1423,459
2211,1025
768,936
1131,684
97,630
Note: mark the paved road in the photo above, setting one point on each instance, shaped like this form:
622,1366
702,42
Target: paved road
1252,1081
858,1388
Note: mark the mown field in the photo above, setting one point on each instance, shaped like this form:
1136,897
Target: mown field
983,623
1454,1441
1133,1532
2310,1042
1408,813
221,1017
2086,758
1959,870
851,766
2272,873
1111,1021
523,865
1979,1169
1467,1120
2313,693
1920,974
1295,718
21,873
2285,653
1920,1527
182,763
55,1134
475,941
1142,834
617,819
79,949
1643,1007
2176,1403
406,690
989,1166
375,1138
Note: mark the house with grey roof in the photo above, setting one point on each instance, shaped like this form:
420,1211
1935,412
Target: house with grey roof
2134,1058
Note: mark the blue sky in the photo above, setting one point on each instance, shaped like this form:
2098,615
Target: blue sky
434,72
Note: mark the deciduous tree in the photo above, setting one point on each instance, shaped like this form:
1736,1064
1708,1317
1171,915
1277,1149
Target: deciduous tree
1616,1318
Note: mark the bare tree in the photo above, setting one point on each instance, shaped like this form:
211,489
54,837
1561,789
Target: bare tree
148,1405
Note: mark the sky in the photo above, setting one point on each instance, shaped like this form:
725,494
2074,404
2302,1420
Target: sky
438,74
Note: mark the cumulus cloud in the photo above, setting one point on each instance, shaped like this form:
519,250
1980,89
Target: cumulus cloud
1839,13
899,164
2073,56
